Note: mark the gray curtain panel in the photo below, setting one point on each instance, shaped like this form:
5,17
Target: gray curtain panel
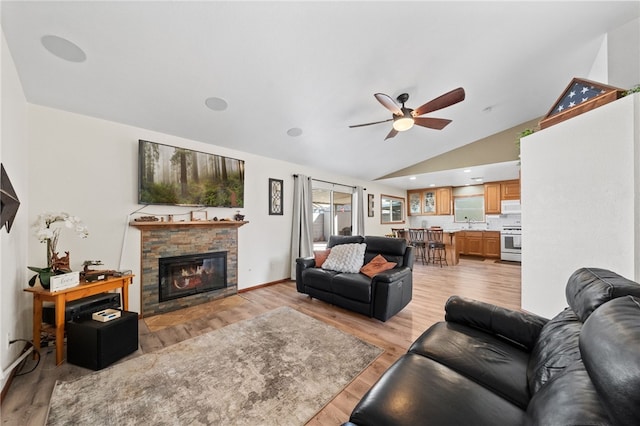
301,235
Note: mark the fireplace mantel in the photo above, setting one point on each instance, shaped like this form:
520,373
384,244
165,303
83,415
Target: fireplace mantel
197,223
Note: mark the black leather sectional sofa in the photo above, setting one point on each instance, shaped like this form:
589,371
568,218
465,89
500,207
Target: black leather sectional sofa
381,297
486,365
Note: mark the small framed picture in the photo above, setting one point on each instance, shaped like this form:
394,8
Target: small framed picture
275,196
197,215
370,204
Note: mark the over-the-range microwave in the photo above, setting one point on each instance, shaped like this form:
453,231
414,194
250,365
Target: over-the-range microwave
510,207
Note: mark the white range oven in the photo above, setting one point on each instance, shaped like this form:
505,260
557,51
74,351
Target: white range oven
511,243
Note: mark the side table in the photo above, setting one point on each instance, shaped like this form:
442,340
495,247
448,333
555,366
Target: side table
60,298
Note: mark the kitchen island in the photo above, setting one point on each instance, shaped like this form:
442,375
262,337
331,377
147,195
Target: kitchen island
449,238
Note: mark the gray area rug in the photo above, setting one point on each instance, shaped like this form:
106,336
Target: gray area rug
279,368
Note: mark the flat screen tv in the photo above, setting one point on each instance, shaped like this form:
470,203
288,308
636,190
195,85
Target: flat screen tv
177,176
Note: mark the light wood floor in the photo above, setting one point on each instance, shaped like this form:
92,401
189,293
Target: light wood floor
28,398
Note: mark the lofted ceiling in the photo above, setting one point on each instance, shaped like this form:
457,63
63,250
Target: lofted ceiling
290,67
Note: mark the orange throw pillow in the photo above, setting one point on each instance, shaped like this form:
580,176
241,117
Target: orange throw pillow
378,264
321,256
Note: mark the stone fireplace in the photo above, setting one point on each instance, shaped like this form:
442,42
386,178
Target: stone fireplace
183,242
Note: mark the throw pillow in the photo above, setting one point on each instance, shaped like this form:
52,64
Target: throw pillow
321,256
345,258
378,264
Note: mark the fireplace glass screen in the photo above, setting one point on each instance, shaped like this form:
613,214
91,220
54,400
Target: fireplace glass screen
182,276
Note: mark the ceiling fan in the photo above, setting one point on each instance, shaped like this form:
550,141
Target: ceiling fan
404,118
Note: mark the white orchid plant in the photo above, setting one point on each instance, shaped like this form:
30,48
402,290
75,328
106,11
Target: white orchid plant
47,232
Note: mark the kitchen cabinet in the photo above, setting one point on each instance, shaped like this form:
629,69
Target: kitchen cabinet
444,197
479,243
491,244
495,192
473,243
433,201
415,203
429,201
510,189
461,242
492,198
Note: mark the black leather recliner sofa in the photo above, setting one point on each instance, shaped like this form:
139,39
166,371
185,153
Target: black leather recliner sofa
486,365
381,297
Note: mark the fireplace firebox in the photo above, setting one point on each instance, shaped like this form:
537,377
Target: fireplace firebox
182,276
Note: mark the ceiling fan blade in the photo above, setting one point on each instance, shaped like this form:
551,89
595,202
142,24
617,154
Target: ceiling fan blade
432,123
369,124
388,103
448,99
392,134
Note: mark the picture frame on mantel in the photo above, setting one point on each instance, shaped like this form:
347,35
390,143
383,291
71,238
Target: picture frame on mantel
276,187
197,215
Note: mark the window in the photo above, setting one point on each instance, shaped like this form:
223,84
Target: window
469,208
391,209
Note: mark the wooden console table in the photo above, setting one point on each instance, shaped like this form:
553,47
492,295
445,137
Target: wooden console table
60,298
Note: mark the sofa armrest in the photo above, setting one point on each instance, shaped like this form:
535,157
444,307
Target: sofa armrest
391,275
520,327
306,262
392,290
303,263
409,257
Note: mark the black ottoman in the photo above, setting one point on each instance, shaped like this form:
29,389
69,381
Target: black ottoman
96,345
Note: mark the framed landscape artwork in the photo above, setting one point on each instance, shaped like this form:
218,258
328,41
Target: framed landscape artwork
275,196
177,176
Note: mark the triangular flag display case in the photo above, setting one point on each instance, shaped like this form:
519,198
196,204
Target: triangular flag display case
9,202
580,96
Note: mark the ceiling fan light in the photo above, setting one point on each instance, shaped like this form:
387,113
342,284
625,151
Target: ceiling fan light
403,123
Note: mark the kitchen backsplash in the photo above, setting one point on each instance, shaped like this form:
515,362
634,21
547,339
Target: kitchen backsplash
492,222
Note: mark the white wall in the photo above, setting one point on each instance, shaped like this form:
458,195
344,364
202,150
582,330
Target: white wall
579,201
88,167
623,45
15,305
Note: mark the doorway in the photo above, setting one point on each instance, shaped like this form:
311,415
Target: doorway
332,213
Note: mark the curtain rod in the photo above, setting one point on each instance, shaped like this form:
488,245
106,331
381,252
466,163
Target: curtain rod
333,183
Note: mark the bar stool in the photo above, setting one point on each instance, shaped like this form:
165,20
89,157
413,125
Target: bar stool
397,232
436,247
416,239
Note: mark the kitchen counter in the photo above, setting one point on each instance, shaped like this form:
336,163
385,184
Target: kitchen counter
483,243
453,257
449,237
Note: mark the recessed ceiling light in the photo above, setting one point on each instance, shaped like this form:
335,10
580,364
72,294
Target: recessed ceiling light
216,104
477,179
467,171
294,132
432,184
412,178
63,48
